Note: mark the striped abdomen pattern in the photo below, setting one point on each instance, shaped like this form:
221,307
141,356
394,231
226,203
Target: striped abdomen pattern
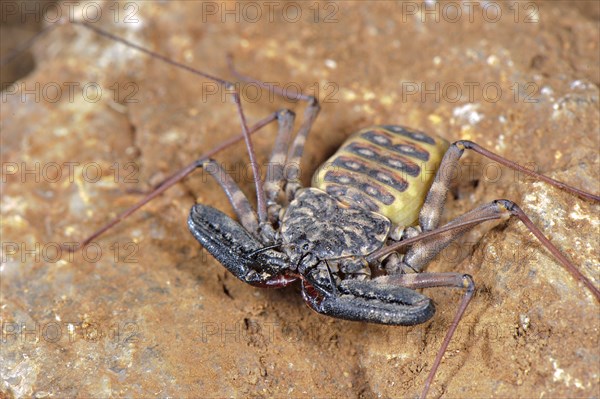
386,169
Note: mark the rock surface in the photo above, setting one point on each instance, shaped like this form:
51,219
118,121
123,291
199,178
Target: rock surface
146,312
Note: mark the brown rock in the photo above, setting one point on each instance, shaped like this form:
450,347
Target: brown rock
155,315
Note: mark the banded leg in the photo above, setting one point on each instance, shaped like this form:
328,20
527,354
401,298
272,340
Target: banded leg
296,150
434,205
432,209
275,171
389,300
172,180
422,252
226,85
238,200
428,244
430,280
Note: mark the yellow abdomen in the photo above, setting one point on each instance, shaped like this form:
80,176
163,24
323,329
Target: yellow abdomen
385,169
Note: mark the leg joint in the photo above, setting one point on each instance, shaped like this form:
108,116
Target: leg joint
468,283
203,162
285,113
508,205
464,144
312,101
